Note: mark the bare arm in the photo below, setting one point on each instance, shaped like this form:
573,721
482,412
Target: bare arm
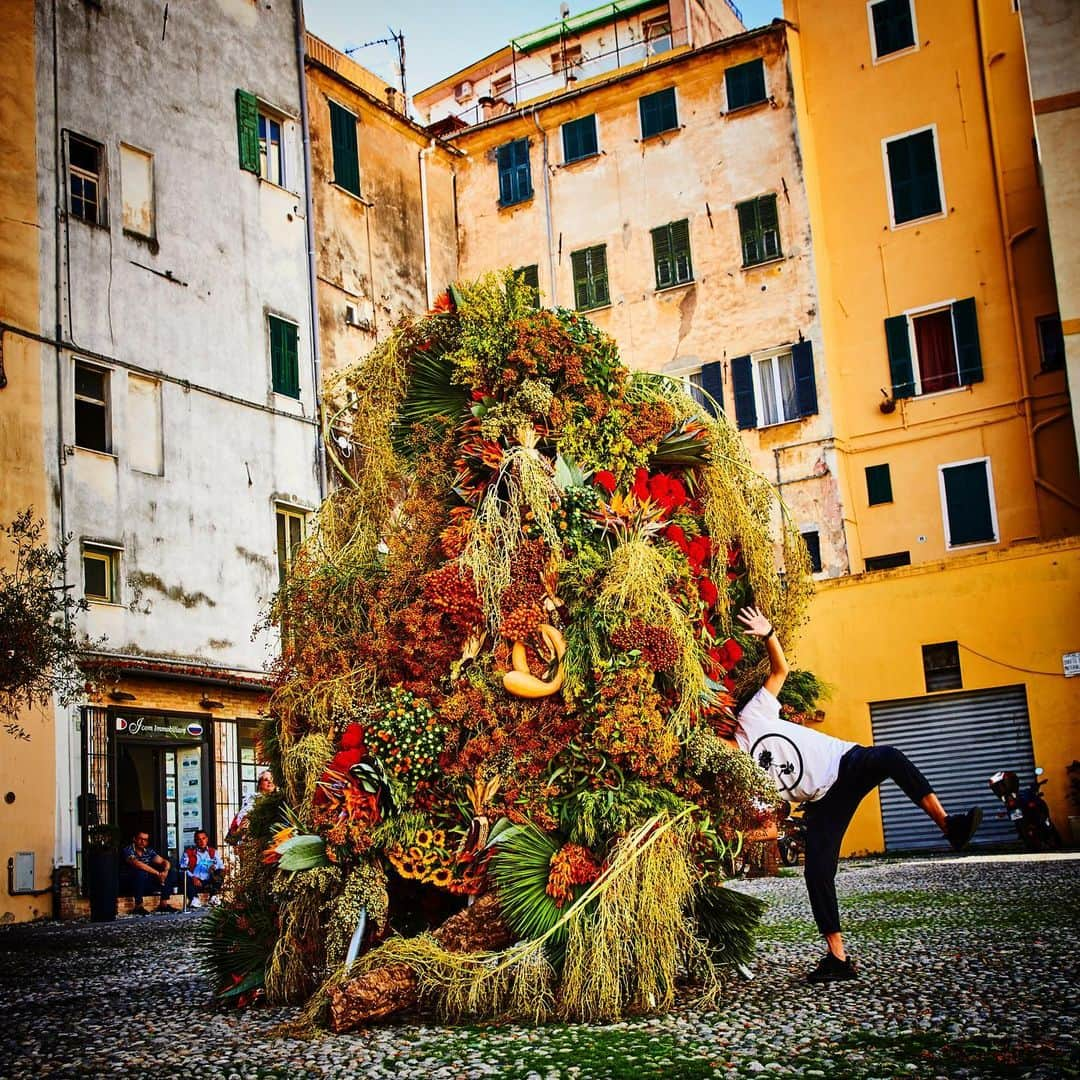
758,625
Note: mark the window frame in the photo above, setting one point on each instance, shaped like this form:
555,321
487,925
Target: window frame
755,201
817,566
283,514
100,179
1040,322
940,214
907,50
512,171
992,498
940,675
523,272
271,318
331,104
596,139
273,116
641,116
587,252
95,551
887,473
650,37
675,283
105,403
756,360
915,313
728,107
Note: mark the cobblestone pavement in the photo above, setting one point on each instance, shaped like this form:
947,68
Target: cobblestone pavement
969,969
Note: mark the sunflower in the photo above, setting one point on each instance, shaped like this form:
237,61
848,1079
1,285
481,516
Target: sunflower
414,853
407,869
438,838
423,838
442,877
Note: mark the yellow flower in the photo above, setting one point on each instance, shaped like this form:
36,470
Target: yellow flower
442,877
423,838
438,838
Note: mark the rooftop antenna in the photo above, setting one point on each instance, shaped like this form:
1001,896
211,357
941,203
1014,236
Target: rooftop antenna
396,38
564,11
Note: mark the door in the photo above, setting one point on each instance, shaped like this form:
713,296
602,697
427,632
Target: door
958,740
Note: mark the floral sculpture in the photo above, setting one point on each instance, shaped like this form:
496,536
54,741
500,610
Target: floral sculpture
507,652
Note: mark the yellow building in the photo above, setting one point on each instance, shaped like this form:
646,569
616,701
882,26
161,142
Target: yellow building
954,430
27,810
383,192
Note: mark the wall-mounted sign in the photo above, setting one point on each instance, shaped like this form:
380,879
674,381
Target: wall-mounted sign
159,727
1070,661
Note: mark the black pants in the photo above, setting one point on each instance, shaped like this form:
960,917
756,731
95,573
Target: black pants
862,768
210,884
143,883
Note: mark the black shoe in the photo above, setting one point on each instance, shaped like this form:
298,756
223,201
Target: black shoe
960,828
832,969
138,909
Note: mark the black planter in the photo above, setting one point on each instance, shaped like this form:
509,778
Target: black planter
102,883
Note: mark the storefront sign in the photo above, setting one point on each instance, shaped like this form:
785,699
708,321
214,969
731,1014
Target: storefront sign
159,727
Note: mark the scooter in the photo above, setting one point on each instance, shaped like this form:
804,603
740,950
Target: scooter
791,838
1027,810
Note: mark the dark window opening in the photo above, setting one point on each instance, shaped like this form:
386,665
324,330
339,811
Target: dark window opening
530,275
579,139
878,485
913,176
745,84
941,666
86,180
812,540
968,507
1051,343
890,561
658,112
92,408
894,28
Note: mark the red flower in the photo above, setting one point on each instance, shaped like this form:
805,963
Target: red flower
667,491
697,552
352,738
729,683
733,650
605,479
675,534
708,592
641,485
344,760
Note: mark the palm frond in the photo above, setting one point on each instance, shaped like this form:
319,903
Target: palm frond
520,868
727,920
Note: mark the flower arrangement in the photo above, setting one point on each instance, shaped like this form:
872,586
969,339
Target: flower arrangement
508,651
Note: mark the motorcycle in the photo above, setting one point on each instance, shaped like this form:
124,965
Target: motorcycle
791,838
1027,810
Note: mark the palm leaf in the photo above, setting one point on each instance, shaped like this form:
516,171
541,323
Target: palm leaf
727,920
520,868
303,853
685,446
431,395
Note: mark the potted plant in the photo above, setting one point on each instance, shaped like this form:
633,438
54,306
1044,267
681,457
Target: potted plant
101,864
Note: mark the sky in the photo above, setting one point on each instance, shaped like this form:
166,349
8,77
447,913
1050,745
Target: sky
443,38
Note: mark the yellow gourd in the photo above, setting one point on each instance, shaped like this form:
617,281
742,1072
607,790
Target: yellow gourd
521,682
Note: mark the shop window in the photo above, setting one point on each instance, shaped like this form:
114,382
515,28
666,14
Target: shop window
658,112
892,25
590,278
759,230
515,175
967,500
878,485
932,350
812,540
86,179
671,254
1051,343
941,666
100,573
745,84
914,177
774,388
284,356
579,139
290,535
345,151
92,412
889,562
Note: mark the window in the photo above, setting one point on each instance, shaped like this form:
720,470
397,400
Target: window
530,275
941,666
892,25
569,57
759,230
271,164
657,36
774,388
671,254
889,562
658,112
590,278
812,540
934,349
515,177
346,154
501,87
100,566
1051,342
579,139
137,191
914,180
878,485
967,502
290,535
92,426
86,179
745,84
284,356
143,433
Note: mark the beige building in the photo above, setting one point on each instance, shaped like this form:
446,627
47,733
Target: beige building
1052,39
666,199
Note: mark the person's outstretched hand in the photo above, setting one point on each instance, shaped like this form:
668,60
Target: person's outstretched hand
754,621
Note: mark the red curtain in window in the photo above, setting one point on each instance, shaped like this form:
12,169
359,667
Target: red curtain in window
936,352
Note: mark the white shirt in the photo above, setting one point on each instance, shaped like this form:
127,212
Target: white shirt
803,764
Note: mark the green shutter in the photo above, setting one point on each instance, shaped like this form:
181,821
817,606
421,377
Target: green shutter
898,342
967,499
969,357
748,232
284,357
663,263
580,266
598,271
346,153
878,485
745,84
742,383
247,130
680,250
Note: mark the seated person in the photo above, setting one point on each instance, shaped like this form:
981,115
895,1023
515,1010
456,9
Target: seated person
149,873
238,827
201,868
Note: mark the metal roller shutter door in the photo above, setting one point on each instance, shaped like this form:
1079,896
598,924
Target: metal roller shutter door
958,741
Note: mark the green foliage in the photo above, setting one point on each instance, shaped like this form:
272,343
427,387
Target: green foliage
728,920
519,869
803,691
596,815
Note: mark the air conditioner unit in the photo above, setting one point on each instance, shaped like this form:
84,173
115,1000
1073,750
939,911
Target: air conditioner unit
354,318
463,91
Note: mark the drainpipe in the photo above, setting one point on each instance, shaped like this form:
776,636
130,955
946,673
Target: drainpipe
309,216
1009,241
547,212
423,156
